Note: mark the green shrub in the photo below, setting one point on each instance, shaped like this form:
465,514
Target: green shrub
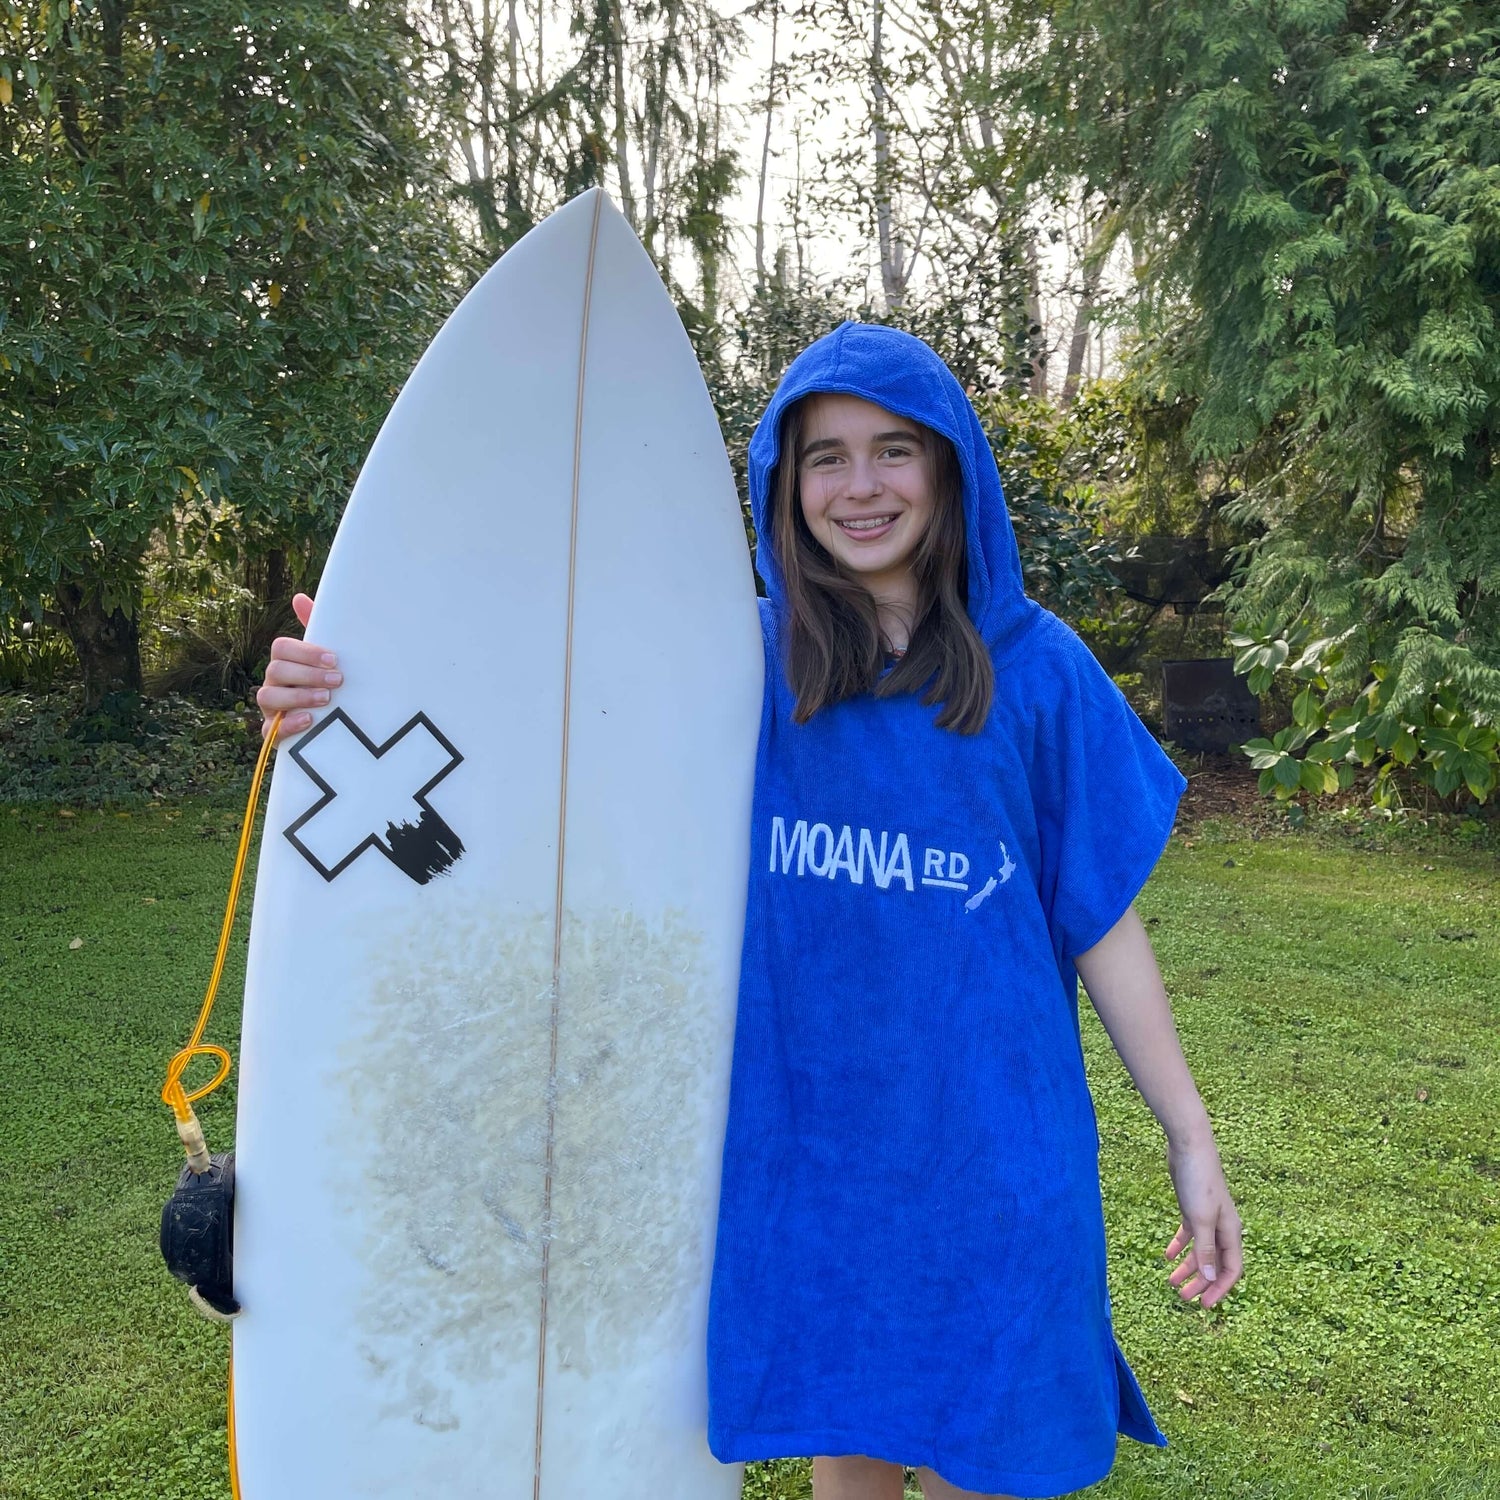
132,750
1437,740
33,659
214,648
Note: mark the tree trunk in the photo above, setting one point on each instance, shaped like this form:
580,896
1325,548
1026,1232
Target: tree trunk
656,123
112,14
1038,333
268,576
108,643
798,232
709,255
765,155
892,255
1079,345
535,154
621,121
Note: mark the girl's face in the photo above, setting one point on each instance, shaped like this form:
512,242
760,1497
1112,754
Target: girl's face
865,482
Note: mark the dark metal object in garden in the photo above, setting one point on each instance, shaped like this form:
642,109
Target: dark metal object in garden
1175,570
1205,706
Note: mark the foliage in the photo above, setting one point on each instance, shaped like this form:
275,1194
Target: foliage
222,251
538,100
125,751
1059,466
33,657
1312,197
206,634
1435,739
215,647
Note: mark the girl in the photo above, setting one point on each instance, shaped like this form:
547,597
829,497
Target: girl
954,810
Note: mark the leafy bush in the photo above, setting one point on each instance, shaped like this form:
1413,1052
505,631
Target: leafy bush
213,646
1437,738
131,750
1051,466
33,658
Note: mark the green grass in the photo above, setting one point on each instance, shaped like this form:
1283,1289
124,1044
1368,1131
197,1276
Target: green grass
1337,1004
110,1385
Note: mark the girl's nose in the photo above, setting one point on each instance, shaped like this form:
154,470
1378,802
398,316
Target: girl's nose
864,479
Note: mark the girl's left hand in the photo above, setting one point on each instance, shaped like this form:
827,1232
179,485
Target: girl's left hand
1210,1226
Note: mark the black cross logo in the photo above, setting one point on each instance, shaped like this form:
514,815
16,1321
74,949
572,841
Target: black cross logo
418,752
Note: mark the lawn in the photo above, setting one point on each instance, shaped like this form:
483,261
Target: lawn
1337,1003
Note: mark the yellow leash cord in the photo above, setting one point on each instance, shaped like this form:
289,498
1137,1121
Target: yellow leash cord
234,1452
172,1092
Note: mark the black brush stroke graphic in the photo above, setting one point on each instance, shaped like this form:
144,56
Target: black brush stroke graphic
421,850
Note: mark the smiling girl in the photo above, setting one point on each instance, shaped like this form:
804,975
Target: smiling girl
954,811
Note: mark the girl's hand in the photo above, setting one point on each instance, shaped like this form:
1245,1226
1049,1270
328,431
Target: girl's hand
299,676
1210,1226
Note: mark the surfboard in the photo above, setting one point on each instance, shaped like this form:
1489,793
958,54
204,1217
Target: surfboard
495,942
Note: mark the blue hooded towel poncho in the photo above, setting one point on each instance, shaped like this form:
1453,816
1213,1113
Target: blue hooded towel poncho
911,1255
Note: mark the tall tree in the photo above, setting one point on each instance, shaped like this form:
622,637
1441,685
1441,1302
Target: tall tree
947,244
893,265
773,78
1313,193
545,98
219,257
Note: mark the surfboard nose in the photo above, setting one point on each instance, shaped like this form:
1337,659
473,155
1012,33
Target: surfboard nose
584,211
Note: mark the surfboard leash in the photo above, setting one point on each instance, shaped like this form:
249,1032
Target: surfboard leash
197,1222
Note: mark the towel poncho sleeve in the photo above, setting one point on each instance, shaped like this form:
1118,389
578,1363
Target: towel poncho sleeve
1107,797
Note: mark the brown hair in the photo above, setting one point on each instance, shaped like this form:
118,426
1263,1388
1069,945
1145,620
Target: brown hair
834,649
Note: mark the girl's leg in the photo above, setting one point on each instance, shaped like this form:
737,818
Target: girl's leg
857,1479
935,1487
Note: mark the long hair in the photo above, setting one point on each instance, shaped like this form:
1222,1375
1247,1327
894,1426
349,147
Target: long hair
834,648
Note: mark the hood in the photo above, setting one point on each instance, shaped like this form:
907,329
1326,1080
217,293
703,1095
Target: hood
901,373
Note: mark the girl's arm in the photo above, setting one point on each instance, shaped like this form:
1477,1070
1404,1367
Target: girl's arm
1122,979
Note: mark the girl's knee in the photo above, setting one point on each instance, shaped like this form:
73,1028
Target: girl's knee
935,1487
857,1478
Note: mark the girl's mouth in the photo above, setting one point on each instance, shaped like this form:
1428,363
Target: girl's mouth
866,528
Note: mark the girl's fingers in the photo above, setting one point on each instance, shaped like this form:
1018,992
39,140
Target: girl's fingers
287,672
1217,1292
1188,1279
309,653
272,700
1178,1245
1214,1242
291,724
1221,1285
1232,1263
292,686
299,676
1205,1249
1187,1269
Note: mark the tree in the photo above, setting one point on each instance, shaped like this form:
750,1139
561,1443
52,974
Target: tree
221,252
537,100
1312,191
921,171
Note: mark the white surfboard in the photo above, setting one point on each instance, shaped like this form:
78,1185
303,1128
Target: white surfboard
495,945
